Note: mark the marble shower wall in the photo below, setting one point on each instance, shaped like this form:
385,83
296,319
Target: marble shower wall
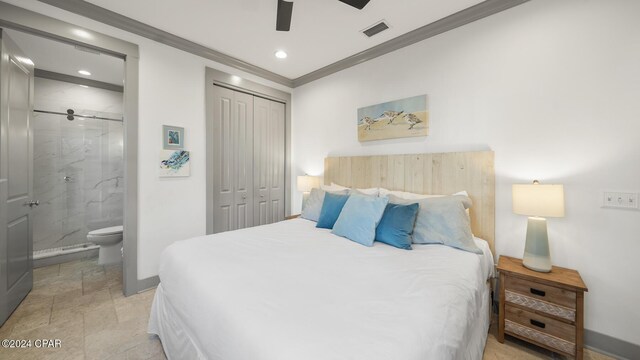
78,165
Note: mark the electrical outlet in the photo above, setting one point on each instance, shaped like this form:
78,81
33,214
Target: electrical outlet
620,200
631,200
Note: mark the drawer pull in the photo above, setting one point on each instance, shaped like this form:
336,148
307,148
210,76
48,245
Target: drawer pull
537,292
537,323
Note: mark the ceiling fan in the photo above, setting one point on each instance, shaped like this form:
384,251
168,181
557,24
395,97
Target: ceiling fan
285,9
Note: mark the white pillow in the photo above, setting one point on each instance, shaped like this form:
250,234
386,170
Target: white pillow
413,196
333,187
403,194
370,191
338,187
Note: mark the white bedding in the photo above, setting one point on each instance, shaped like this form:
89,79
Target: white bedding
291,291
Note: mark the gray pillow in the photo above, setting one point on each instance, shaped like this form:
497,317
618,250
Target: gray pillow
313,205
442,220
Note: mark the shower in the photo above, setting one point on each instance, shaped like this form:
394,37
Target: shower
78,166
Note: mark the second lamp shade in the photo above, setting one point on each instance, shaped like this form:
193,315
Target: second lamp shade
538,200
306,183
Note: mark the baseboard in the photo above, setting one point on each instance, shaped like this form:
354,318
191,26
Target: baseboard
148,283
610,346
59,259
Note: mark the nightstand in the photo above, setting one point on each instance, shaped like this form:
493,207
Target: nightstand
545,309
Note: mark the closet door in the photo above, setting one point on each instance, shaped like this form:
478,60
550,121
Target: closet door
261,161
233,160
276,184
268,161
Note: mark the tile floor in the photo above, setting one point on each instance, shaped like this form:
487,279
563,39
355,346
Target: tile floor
81,303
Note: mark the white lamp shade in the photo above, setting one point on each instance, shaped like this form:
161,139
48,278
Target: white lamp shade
306,183
538,200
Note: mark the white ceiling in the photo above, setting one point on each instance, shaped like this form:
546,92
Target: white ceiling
66,59
322,31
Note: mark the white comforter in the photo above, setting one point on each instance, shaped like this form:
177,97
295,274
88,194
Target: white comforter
291,291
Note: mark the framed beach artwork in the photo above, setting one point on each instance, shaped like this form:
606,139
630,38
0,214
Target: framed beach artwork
394,119
174,163
172,137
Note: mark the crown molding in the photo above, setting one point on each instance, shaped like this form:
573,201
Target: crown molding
463,17
97,13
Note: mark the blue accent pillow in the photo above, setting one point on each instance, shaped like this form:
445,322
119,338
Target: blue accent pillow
396,225
331,208
360,217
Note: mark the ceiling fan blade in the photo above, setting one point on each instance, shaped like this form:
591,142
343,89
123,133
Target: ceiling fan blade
358,4
283,21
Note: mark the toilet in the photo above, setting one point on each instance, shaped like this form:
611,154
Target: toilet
110,241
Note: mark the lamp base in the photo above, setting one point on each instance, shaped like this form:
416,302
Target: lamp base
536,250
305,197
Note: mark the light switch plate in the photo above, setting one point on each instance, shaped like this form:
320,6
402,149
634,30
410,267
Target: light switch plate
620,200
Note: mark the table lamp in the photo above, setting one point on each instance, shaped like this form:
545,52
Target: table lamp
538,201
305,184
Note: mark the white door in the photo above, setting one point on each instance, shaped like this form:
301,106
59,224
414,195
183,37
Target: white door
16,180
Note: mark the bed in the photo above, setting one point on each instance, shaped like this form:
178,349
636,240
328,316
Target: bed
291,291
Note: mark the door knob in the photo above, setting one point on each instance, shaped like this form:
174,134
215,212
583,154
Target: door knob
32,203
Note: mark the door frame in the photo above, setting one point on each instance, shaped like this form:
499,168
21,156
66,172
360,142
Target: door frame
17,18
215,77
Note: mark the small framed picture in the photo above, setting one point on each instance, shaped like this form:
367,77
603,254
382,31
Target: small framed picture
172,137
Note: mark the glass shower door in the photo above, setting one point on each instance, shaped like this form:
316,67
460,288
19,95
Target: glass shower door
78,173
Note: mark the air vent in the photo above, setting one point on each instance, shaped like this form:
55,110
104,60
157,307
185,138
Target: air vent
376,29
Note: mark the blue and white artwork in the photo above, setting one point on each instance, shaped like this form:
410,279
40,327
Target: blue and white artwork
394,119
174,163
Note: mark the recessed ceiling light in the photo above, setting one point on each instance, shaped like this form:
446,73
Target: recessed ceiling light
25,60
236,80
84,86
82,33
280,54
84,72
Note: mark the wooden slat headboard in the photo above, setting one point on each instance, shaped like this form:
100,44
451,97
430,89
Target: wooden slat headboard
438,173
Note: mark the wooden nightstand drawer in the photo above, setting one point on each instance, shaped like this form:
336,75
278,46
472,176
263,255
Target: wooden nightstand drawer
539,305
541,323
539,338
550,294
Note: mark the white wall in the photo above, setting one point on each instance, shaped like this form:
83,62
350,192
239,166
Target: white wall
172,84
553,87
